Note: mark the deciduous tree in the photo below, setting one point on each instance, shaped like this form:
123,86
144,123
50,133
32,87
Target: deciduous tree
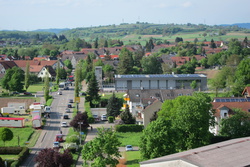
102,150
81,119
157,139
6,134
49,157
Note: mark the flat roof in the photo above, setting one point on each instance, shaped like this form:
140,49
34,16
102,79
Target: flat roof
161,76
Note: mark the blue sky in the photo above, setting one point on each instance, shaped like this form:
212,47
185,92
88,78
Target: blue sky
29,15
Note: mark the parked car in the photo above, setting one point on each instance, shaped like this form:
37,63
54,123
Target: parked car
27,93
104,117
56,144
71,101
15,93
66,116
64,124
67,110
59,93
66,88
129,148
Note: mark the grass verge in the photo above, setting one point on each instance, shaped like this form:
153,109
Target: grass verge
133,158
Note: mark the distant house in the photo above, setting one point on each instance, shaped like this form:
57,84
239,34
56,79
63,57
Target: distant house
47,70
233,153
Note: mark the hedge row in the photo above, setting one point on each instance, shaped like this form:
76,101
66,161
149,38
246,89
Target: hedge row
10,150
21,157
129,128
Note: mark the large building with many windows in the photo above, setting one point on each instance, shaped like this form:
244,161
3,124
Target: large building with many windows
160,81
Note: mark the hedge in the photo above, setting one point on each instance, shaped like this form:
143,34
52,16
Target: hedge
129,128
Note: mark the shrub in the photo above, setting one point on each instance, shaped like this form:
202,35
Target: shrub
110,119
73,139
10,150
129,128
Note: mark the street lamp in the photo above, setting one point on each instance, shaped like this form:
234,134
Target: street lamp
80,123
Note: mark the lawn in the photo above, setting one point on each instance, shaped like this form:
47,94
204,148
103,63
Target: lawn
24,135
132,158
129,138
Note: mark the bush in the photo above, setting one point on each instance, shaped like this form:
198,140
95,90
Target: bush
91,120
73,139
110,119
129,128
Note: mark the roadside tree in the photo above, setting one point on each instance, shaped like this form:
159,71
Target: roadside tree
81,119
6,134
102,150
151,65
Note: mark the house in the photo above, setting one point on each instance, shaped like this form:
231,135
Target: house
12,122
144,102
246,92
159,81
223,108
47,70
179,61
5,65
231,153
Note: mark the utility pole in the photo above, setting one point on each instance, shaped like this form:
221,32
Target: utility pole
80,123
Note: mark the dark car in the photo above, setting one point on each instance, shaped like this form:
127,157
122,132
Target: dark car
65,116
69,105
15,93
27,93
66,88
71,101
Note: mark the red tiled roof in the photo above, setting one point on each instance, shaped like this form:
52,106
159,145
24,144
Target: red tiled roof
246,91
245,106
35,68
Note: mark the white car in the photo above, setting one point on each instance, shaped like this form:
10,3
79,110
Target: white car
56,144
129,148
104,117
60,93
64,124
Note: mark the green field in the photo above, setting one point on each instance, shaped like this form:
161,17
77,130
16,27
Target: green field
129,138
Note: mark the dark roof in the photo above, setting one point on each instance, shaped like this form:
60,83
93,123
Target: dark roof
160,76
8,64
51,70
148,95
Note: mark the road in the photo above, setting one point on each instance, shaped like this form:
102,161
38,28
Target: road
53,124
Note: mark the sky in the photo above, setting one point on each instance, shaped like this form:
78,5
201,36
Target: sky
28,15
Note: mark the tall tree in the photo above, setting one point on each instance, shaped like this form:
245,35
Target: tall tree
243,70
58,72
27,76
160,136
46,88
151,65
102,150
127,117
92,90
212,44
126,63
77,80
190,118
6,134
68,64
113,106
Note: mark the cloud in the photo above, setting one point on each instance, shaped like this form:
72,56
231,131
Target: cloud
186,4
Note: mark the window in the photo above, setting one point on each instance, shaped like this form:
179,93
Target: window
225,114
179,94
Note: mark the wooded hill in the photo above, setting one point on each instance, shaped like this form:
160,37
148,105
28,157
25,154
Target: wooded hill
125,31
